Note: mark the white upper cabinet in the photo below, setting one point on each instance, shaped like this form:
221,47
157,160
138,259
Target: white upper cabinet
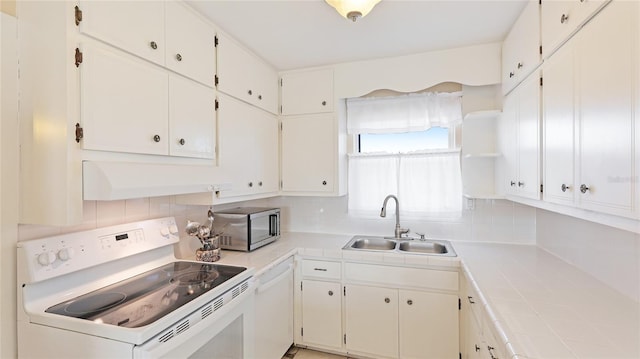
115,116
134,26
562,18
521,122
246,77
306,92
192,119
521,47
190,48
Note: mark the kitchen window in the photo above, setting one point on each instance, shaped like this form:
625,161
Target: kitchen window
404,146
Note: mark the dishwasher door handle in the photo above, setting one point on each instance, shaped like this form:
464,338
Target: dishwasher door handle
263,287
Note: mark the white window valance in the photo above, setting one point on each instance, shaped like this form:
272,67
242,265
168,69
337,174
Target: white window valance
405,113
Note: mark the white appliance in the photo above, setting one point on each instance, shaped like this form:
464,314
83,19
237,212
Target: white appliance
119,292
274,311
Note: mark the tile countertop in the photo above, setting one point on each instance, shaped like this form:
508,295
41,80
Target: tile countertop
541,306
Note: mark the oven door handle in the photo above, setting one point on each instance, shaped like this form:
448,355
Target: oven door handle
266,286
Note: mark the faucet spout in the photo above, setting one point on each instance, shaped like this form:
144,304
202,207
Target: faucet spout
383,213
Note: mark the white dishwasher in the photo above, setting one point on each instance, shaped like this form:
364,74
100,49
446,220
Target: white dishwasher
274,311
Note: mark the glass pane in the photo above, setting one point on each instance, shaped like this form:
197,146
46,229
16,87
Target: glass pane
431,139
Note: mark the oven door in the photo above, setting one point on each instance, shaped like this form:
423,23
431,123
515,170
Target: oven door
264,228
227,332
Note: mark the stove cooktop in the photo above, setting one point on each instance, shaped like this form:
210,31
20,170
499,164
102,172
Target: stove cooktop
149,296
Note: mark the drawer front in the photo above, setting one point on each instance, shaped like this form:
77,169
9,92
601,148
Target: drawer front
321,269
402,276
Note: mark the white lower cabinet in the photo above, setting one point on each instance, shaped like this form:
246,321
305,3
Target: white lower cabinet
371,320
321,313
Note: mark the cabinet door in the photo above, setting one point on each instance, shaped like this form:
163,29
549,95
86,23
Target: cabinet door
371,319
130,25
608,58
559,125
528,138
322,313
428,325
307,92
190,44
124,102
507,138
520,50
308,153
266,171
192,118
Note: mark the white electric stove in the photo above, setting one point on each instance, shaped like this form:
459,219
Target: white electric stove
120,292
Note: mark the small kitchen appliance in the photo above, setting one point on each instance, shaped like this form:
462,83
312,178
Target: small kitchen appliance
120,292
247,228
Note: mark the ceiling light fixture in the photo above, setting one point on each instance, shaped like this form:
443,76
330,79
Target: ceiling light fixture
353,9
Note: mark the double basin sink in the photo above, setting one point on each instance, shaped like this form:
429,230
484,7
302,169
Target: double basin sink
401,245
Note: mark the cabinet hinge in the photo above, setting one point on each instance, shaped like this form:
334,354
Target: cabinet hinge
302,332
300,285
281,109
215,80
79,133
460,355
215,41
539,2
78,16
217,105
541,81
459,304
344,338
541,188
540,49
78,57
280,184
344,291
280,82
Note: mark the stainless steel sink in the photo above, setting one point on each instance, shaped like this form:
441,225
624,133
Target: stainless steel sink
423,247
402,245
374,244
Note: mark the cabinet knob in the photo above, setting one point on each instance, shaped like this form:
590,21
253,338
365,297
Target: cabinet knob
471,299
156,138
512,183
584,188
511,74
250,92
178,57
324,103
259,97
250,184
520,65
182,141
564,18
564,187
153,45
260,183
520,184
477,347
324,183
410,302
387,300
330,293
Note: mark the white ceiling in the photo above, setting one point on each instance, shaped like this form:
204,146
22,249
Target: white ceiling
292,34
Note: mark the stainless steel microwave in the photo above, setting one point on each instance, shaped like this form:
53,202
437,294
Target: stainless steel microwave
247,228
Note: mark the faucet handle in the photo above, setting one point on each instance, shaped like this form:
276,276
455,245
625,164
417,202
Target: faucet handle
404,231
421,236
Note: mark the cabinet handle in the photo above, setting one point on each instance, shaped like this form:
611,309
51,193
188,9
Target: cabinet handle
520,65
471,300
512,183
387,300
564,18
182,141
520,184
324,103
156,138
324,183
330,293
511,74
250,92
178,57
153,45
584,188
320,269
410,302
564,187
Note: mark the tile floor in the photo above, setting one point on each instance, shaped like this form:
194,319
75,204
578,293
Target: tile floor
299,353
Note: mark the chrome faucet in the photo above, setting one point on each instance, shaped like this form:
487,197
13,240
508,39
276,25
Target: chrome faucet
383,213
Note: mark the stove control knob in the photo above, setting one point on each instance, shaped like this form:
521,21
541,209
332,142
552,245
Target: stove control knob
164,231
173,229
66,253
46,258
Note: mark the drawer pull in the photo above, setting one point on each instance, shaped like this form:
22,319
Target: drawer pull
320,269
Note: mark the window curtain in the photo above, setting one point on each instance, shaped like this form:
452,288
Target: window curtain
405,113
427,184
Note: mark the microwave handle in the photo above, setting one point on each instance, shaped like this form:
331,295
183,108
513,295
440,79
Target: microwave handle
273,225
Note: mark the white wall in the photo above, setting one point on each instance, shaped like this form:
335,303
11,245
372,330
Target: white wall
609,254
